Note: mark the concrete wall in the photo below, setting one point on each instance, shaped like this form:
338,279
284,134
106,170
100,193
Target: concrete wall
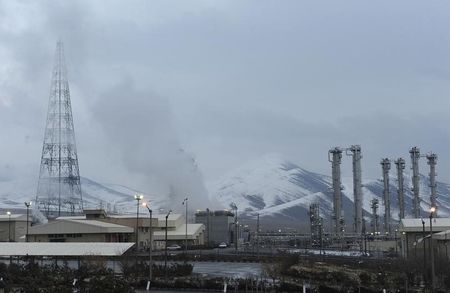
18,230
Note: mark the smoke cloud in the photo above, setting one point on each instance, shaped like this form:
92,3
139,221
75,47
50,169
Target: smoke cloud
139,123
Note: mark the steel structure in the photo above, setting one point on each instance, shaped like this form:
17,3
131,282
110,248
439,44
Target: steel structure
386,166
432,161
374,206
316,223
400,165
415,156
59,187
335,156
355,152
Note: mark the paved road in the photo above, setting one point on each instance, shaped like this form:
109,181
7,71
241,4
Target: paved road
228,269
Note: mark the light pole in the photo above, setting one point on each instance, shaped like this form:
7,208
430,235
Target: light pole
137,197
185,203
28,205
150,263
234,207
432,211
424,251
9,225
165,250
396,243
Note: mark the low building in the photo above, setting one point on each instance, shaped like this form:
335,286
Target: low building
177,232
13,227
415,234
98,226
219,226
176,229
76,230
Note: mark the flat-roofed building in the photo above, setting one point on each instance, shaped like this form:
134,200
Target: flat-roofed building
13,227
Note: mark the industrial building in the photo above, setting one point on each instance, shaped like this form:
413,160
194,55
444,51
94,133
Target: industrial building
415,234
98,226
71,230
219,225
13,227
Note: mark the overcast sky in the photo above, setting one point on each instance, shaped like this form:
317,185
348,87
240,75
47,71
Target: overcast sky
227,82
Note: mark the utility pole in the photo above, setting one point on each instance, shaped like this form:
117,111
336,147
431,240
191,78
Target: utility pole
165,250
28,205
257,235
235,208
433,285
185,203
150,262
137,197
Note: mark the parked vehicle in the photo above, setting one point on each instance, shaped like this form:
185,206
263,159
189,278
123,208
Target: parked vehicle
223,245
174,247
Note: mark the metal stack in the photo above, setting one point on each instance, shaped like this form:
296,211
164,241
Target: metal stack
335,156
355,152
386,165
415,156
400,164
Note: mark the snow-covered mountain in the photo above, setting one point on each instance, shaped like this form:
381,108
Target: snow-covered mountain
113,197
281,190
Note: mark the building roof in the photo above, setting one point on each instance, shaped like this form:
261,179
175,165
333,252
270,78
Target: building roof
14,217
415,225
444,235
64,248
71,218
228,213
67,226
180,232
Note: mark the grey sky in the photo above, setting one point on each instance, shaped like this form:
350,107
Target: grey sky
227,81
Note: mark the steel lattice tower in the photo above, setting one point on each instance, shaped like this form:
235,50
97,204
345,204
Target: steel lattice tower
59,187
